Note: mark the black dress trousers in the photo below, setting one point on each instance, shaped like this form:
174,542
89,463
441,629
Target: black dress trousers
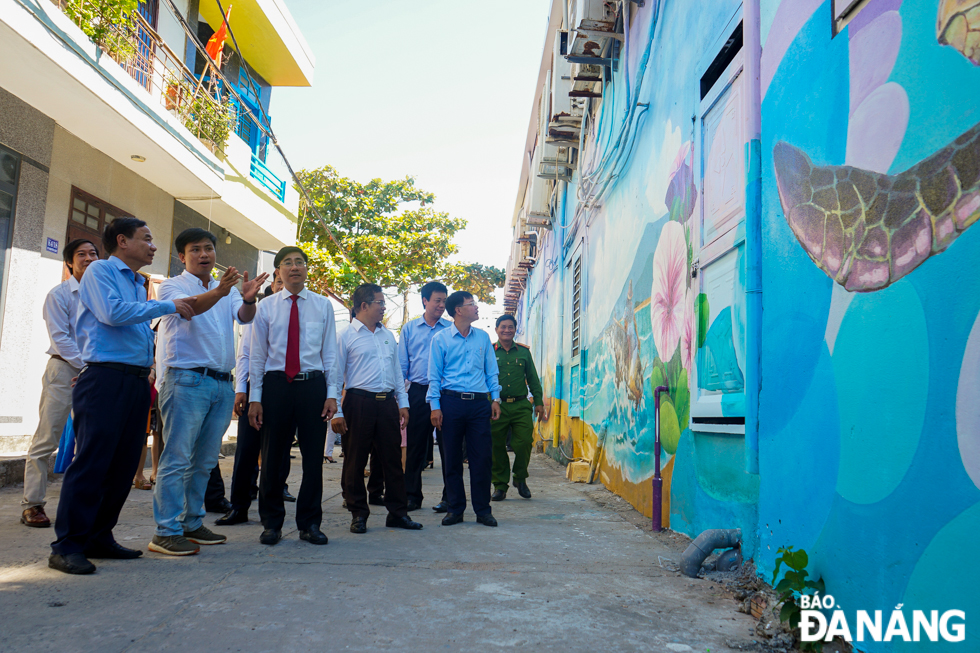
373,424
246,462
110,408
290,409
467,422
420,443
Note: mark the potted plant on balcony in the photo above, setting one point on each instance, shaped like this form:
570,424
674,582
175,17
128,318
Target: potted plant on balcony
175,92
107,22
211,120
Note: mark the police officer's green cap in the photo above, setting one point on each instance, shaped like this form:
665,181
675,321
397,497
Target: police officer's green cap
286,251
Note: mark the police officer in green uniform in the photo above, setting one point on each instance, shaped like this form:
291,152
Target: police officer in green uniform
517,374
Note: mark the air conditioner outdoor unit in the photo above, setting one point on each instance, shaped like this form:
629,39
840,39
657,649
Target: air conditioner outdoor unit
586,81
554,172
564,123
595,24
538,191
560,154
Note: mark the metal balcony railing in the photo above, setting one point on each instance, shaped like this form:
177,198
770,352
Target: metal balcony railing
197,101
268,179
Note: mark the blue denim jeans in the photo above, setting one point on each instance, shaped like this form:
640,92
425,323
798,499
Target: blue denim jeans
196,411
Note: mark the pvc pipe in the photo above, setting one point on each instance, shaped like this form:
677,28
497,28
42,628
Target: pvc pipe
658,483
753,232
696,552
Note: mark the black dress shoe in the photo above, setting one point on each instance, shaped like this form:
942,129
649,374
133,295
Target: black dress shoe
452,518
73,563
394,521
270,536
376,501
522,489
413,506
313,535
286,496
233,517
114,551
358,525
222,506
486,520
441,507
499,495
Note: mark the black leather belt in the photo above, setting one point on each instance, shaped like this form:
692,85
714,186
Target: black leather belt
378,396
220,376
135,370
510,400
466,396
302,376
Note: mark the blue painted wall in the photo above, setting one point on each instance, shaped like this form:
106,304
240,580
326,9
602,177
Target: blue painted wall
869,451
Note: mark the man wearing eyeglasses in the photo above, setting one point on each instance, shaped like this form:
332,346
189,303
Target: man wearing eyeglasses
375,409
464,395
293,351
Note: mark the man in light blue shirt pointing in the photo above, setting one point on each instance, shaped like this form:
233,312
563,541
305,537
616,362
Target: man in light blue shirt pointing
464,396
111,398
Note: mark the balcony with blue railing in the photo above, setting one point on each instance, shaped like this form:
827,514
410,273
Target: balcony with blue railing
267,178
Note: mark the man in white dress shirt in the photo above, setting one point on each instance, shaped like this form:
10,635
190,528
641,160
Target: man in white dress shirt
196,395
60,308
293,351
375,409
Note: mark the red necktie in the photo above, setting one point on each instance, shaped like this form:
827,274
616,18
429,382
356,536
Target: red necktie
292,343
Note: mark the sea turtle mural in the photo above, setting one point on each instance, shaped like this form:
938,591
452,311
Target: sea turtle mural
867,229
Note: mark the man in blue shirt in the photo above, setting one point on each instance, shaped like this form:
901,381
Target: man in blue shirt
413,354
111,397
464,396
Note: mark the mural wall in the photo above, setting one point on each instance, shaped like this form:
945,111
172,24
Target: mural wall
646,320
870,419
869,450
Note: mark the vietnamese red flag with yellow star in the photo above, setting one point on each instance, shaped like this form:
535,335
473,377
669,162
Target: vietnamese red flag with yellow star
216,44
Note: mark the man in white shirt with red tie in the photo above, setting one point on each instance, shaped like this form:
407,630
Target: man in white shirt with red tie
375,409
293,352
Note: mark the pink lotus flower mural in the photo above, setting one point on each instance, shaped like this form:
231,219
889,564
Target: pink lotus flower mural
667,297
688,343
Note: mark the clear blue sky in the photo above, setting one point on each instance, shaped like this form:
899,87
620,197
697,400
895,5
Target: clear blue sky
437,89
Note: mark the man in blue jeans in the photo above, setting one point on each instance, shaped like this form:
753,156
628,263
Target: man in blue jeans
196,395
464,395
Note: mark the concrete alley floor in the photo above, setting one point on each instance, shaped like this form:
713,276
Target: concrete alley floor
572,569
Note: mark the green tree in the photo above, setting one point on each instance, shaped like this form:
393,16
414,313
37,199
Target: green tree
389,231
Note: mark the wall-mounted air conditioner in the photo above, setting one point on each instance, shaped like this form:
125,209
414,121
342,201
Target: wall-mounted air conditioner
586,81
594,24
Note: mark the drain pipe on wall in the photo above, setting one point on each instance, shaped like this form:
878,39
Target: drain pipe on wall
658,483
753,231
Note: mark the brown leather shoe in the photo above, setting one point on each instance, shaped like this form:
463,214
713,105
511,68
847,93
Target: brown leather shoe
35,517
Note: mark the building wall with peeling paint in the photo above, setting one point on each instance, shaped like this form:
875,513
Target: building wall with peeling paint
869,440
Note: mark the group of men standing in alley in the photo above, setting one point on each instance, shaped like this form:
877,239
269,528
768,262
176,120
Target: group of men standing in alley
296,376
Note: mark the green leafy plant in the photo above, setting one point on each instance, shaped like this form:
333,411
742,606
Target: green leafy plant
204,116
794,584
106,22
210,120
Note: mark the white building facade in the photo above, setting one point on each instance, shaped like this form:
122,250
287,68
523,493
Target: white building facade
132,126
